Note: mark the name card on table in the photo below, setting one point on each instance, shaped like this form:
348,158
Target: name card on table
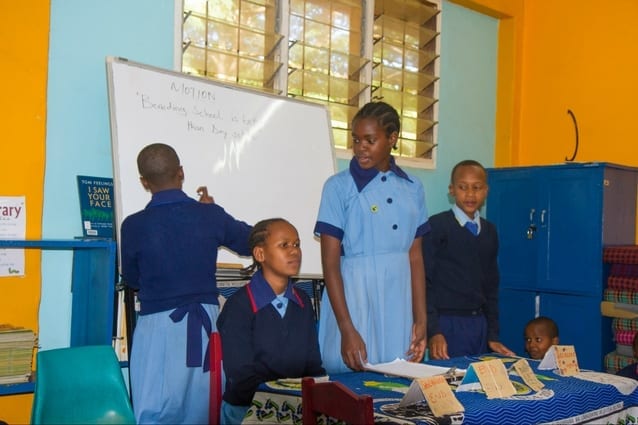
491,376
436,392
561,357
527,374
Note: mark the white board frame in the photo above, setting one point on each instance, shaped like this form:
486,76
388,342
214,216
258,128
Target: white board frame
260,155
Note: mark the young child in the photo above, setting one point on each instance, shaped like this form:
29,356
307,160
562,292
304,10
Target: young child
462,271
631,371
169,254
371,220
267,327
540,334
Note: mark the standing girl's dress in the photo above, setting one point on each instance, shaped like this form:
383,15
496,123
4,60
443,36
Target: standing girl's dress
376,215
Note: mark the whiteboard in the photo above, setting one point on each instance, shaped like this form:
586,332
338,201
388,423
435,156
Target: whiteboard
260,155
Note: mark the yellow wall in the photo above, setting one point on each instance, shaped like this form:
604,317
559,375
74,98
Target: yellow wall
580,55
570,54
24,33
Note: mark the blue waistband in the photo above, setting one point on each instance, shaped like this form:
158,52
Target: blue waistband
197,319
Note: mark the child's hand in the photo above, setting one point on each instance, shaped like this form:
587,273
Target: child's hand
500,348
438,348
416,351
353,350
204,197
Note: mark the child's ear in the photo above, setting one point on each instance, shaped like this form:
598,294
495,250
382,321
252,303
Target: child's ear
258,253
555,340
145,183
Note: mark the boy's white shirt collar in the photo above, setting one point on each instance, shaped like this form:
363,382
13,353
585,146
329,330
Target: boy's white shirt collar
462,218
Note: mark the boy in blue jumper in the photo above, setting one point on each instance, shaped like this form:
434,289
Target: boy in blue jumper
267,327
169,255
462,274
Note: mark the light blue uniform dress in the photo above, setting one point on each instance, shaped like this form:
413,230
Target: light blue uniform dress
377,216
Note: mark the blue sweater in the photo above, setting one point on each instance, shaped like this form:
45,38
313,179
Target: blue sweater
258,345
461,270
169,250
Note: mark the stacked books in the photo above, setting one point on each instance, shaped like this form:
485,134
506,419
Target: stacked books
16,354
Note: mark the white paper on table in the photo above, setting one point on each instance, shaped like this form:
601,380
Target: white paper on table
406,369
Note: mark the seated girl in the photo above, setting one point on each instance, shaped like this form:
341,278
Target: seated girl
267,327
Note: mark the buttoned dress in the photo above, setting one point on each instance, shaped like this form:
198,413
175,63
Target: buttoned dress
377,216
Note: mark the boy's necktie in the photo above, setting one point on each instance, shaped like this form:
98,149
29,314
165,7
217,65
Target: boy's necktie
472,227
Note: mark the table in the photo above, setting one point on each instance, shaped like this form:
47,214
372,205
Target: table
571,400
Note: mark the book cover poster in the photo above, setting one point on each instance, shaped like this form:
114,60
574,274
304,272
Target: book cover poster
96,206
13,222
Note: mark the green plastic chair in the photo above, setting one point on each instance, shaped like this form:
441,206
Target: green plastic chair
80,385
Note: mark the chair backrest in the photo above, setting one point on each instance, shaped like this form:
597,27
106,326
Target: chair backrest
80,385
216,389
334,400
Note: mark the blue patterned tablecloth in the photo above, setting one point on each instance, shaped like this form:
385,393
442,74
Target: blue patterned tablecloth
563,400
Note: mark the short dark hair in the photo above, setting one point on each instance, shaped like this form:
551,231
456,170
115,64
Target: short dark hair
466,163
547,323
158,163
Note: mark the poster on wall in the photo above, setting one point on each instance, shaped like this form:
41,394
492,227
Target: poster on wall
12,226
96,206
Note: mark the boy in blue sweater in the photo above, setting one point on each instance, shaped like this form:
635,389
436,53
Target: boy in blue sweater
461,269
267,327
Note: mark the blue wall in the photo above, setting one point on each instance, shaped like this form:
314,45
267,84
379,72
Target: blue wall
84,32
78,140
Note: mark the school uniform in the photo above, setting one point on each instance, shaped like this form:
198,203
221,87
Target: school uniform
462,282
376,215
266,337
169,255
629,371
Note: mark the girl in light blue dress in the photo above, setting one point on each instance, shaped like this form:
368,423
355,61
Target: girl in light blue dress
371,220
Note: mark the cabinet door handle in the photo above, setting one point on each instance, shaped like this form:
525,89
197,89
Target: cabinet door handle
543,216
531,229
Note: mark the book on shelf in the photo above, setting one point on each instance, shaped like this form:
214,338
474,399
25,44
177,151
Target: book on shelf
16,353
96,206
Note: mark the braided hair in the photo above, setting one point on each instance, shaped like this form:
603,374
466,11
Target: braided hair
386,116
258,237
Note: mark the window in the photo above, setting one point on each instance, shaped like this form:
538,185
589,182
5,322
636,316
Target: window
341,53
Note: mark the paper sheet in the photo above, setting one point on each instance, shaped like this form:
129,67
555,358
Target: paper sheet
406,369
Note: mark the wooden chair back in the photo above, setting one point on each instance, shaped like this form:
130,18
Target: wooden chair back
334,400
216,389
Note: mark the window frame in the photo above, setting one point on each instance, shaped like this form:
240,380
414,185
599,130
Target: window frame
367,45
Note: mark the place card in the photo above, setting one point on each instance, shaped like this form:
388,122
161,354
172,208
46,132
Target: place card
561,357
436,392
525,371
491,376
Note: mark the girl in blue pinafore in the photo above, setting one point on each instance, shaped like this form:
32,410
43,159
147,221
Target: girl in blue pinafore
371,220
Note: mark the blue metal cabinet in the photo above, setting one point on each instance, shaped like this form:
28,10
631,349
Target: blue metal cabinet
553,222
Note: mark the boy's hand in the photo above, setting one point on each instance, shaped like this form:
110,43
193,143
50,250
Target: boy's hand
500,348
204,197
438,348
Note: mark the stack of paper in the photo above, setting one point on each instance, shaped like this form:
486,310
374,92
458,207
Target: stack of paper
16,353
406,369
